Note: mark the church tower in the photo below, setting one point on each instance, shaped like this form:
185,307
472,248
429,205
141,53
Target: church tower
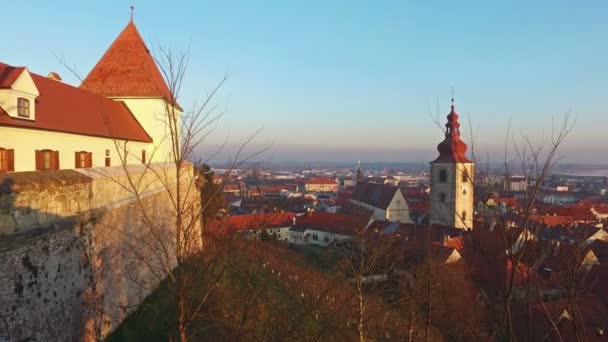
452,179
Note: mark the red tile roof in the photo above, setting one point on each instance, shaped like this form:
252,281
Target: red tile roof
590,315
333,223
452,149
377,195
577,212
601,209
508,201
458,243
63,108
253,221
8,75
127,69
552,220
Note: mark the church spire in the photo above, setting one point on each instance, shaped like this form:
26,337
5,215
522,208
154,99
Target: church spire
452,149
359,173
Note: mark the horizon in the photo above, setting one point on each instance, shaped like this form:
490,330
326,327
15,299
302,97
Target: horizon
344,82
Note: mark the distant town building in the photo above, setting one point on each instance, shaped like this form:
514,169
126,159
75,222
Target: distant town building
321,184
387,202
323,229
515,183
452,180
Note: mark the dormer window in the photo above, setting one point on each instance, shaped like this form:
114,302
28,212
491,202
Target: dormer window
23,107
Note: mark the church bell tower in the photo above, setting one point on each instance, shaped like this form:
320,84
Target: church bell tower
452,179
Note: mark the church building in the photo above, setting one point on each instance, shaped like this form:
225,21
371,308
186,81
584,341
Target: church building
120,106
452,180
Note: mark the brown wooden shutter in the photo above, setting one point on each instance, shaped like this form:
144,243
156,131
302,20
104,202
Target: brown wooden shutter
10,160
55,160
90,159
143,156
38,160
76,159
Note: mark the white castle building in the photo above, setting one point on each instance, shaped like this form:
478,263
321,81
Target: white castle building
120,106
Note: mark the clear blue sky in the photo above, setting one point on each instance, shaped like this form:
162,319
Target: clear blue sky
350,80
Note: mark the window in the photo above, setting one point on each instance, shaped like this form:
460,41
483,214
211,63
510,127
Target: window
443,175
7,160
326,239
23,107
465,176
315,237
464,215
83,159
108,162
47,160
464,192
442,197
143,156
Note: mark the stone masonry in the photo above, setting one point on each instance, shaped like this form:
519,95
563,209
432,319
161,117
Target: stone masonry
72,245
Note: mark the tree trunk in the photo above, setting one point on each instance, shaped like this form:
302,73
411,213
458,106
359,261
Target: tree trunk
360,324
181,326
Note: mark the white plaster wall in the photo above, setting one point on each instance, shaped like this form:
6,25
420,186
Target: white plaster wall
282,233
398,210
25,142
152,116
321,235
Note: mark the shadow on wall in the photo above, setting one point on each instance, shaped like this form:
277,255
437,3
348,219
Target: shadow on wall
44,259
69,270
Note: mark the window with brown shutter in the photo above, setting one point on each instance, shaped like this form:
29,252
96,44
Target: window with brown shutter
83,159
7,160
47,160
108,161
143,156
10,160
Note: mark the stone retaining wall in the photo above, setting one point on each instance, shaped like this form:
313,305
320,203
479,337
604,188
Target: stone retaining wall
71,249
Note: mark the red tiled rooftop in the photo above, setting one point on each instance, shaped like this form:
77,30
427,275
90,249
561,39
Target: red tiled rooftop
508,201
127,69
333,223
552,220
252,221
63,108
577,212
8,75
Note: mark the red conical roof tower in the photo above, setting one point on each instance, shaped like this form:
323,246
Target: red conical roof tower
127,69
452,149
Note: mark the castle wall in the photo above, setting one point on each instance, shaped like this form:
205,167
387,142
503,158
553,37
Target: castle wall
73,247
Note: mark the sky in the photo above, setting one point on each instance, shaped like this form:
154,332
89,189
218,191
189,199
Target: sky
354,80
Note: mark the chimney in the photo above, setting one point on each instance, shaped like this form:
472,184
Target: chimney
54,76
